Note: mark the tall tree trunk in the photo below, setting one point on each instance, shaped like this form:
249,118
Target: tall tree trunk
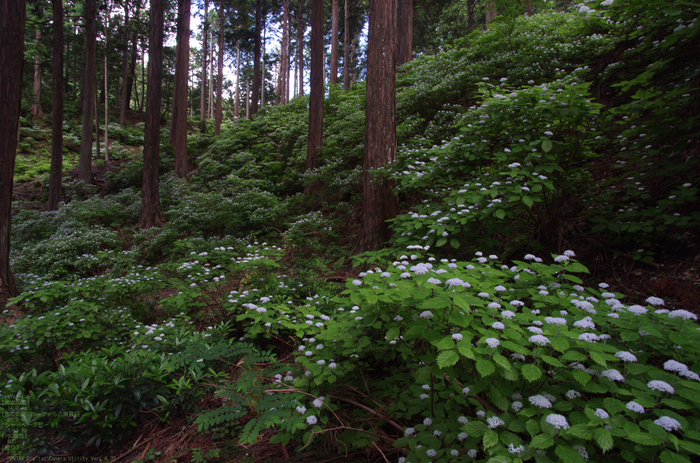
491,13
284,56
125,71
263,64
89,93
151,214
237,105
210,101
256,62
205,54
353,59
404,24
178,131
346,48
300,47
106,74
379,201
97,126
317,90
471,5
13,15
334,44
220,83
142,102
37,112
56,175
247,99
131,78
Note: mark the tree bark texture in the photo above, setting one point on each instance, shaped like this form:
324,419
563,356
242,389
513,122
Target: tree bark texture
317,94
220,83
300,46
205,53
89,92
471,6
379,201
404,40
237,105
178,132
125,71
151,214
37,112
284,61
334,44
346,48
256,62
56,174
13,14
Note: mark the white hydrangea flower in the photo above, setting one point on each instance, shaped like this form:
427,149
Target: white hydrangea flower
558,421
492,342
540,401
682,314
494,422
655,301
626,356
539,339
602,414
668,423
662,386
573,394
635,407
672,365
613,375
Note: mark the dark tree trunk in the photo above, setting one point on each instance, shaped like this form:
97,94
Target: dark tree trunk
178,131
125,71
237,105
346,48
317,89
471,5
37,112
151,214
334,44
284,56
491,13
404,40
300,47
89,93
205,54
379,201
56,175
131,78
220,83
256,63
13,14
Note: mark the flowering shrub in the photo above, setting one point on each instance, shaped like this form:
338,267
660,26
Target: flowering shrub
479,360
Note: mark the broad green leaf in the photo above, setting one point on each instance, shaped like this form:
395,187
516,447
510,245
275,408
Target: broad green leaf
559,343
528,201
542,441
582,431
447,358
531,372
500,213
668,456
393,333
435,303
532,426
688,446
552,361
445,343
485,367
466,351
581,376
490,438
546,146
604,439
568,454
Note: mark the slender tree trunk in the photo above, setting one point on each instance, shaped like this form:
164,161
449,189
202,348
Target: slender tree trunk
256,62
237,104
205,54
404,24
125,71
151,214
317,90
346,48
132,67
263,77
300,47
56,175
37,112
471,5
97,126
491,13
247,99
106,110
353,59
334,44
89,93
379,201
283,74
13,15
220,83
178,132
210,102
142,101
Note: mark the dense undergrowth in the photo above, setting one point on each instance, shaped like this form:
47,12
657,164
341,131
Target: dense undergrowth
476,335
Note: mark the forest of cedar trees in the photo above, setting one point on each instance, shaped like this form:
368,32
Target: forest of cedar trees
312,231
